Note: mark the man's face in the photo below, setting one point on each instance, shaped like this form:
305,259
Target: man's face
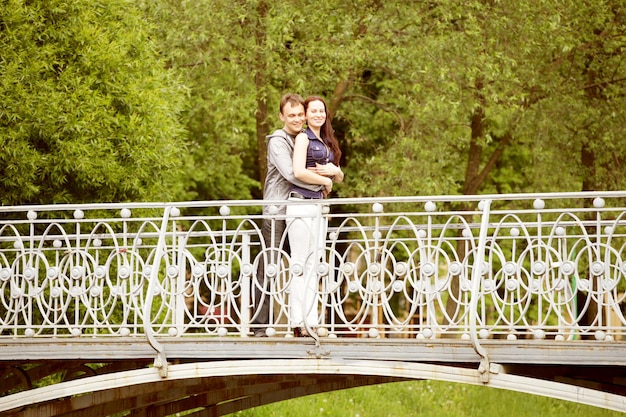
293,118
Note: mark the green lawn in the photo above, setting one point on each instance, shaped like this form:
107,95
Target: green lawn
426,399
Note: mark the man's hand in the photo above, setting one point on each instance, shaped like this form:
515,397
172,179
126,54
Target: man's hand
328,187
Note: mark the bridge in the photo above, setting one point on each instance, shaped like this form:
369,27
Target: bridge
147,309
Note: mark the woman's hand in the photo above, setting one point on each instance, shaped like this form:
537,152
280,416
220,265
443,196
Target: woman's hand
329,170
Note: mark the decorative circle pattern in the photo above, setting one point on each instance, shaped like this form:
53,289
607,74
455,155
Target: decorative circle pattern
405,272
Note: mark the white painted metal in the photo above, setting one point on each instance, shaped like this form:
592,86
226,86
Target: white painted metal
390,269
322,367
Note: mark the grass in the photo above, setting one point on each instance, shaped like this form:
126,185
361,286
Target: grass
425,399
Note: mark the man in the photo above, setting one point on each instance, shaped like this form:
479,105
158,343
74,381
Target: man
277,183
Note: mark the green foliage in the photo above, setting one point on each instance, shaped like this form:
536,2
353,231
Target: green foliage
208,44
407,82
427,98
425,399
88,114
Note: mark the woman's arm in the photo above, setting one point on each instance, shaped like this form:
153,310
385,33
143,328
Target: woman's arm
299,164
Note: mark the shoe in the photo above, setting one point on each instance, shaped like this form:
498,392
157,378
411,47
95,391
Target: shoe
303,332
300,332
260,333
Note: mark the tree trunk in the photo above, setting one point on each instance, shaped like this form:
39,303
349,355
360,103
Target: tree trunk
589,183
260,81
338,95
470,187
475,176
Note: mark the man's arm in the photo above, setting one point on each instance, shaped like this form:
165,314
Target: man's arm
300,170
281,155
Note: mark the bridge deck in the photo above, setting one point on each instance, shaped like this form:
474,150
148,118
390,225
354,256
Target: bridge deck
540,352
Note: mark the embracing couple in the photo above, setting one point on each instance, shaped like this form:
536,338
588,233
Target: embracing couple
301,165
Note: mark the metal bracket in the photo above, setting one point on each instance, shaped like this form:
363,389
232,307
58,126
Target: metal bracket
160,363
318,351
485,368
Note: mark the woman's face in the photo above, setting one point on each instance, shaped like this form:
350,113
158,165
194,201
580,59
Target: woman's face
315,114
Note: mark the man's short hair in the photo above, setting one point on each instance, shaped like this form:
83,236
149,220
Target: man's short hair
293,99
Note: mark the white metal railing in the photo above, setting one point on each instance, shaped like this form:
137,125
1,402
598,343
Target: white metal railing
548,266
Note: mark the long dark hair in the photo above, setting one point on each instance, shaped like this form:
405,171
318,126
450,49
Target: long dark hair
326,132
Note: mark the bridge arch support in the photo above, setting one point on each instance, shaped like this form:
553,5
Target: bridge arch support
221,387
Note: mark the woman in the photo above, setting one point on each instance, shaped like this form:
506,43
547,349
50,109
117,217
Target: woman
316,158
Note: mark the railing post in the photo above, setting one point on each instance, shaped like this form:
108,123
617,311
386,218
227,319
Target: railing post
179,244
479,260
160,361
245,284
375,278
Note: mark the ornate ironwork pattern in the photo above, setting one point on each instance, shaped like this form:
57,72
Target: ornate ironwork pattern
543,266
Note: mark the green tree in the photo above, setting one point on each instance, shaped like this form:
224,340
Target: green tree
88,111
428,98
211,46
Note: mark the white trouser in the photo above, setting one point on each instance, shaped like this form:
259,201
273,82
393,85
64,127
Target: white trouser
307,238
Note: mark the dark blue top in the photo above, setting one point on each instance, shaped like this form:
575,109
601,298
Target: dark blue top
316,153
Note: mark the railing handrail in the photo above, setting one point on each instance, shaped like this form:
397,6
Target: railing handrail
333,201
